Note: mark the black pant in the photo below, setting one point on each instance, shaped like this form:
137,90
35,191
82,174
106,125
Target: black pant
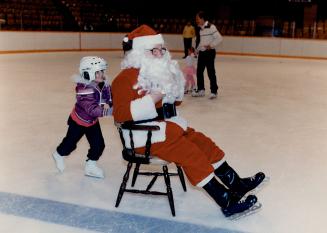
187,45
75,133
206,59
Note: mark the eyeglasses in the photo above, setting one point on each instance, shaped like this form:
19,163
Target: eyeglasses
155,51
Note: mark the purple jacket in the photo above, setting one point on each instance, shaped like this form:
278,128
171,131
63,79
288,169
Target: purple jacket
89,103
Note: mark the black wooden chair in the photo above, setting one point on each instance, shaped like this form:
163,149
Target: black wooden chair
147,158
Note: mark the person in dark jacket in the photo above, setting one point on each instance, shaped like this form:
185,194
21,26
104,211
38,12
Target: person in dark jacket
93,100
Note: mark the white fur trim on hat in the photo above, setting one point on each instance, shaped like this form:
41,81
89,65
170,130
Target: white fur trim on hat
147,42
143,108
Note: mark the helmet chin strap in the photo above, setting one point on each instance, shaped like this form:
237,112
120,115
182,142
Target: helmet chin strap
101,84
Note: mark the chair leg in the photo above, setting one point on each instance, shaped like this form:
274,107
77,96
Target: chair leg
169,190
135,173
181,177
123,184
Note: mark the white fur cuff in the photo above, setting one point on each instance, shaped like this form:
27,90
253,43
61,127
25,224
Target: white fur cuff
205,180
179,121
218,164
143,108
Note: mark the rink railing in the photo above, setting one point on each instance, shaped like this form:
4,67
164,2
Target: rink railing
28,41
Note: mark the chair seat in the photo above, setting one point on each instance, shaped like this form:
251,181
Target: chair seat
141,158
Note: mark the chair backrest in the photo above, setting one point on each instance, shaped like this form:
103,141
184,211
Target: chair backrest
129,154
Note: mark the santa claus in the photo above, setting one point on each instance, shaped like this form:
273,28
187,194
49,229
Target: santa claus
147,91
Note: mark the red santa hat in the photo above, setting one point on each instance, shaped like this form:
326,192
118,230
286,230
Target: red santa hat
144,37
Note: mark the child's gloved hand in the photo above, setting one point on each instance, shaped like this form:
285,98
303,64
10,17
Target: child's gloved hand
106,106
107,110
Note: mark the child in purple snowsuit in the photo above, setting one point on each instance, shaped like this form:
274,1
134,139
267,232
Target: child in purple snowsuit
93,100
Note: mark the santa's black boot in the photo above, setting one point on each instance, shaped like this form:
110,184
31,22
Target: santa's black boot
238,185
226,200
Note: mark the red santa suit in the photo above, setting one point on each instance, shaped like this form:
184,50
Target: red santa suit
175,141
147,90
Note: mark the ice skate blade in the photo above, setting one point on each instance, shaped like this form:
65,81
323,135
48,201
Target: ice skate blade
252,210
94,175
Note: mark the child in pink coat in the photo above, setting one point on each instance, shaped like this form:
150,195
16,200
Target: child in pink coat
189,71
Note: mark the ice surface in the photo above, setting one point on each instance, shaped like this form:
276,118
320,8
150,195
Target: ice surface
270,115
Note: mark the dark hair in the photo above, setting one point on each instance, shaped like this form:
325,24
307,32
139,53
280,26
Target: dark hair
127,44
202,15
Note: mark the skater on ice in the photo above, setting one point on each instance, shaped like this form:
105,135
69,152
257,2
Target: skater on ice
93,100
189,71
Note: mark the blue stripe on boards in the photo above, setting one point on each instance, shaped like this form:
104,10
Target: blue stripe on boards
94,219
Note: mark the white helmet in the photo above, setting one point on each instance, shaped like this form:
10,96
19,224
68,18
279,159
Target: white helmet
91,64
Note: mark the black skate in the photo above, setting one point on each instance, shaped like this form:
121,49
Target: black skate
230,204
242,208
240,186
252,185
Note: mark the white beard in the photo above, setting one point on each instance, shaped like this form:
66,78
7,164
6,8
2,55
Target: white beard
160,74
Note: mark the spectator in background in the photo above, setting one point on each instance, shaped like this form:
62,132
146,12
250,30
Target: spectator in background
189,71
188,35
88,27
209,38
